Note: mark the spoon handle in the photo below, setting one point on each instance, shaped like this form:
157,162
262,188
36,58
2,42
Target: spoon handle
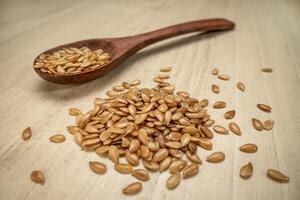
140,41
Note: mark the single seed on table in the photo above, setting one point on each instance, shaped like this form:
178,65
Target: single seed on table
37,177
234,128
248,148
132,188
219,105
268,124
267,69
166,69
74,111
216,157
229,114
257,124
173,181
190,170
26,134
277,176
215,72
220,129
215,89
97,167
223,77
57,138
141,174
264,107
123,168
246,170
241,86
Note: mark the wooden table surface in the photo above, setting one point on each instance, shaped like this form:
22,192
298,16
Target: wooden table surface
267,34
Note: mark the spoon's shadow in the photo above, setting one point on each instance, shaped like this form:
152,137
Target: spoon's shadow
67,92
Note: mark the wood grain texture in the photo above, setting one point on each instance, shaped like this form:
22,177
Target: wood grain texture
267,34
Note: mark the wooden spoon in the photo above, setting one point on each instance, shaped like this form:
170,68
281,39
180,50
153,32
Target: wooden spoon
121,48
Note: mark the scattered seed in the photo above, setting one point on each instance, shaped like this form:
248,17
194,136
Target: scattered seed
257,124
219,105
246,171
74,111
26,134
234,128
215,72
268,124
264,107
216,157
268,70
173,181
132,188
220,129
224,77
241,86
166,69
248,148
57,138
37,177
215,89
97,167
277,176
229,114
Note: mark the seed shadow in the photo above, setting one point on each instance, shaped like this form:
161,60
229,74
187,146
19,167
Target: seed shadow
67,92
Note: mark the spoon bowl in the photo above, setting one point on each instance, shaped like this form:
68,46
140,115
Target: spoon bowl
121,48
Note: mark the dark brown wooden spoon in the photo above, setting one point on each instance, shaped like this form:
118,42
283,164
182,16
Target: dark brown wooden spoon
121,48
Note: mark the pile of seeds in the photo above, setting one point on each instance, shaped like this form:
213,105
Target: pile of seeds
156,127
71,60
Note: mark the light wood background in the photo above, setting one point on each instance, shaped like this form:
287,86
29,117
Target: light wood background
267,34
